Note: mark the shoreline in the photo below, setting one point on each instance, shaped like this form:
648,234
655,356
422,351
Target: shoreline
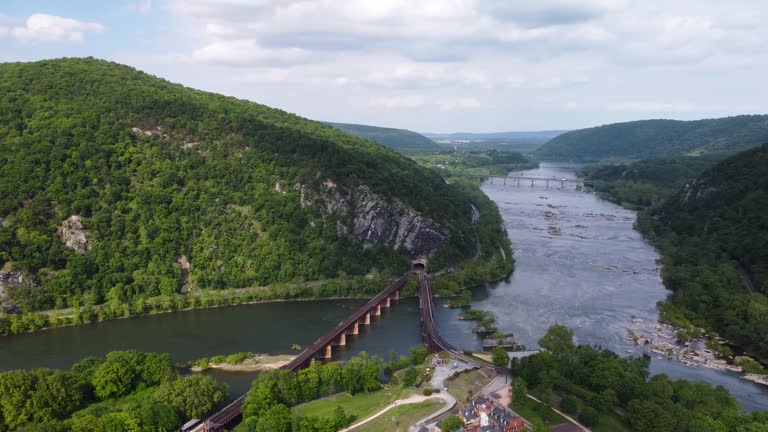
188,309
660,340
257,363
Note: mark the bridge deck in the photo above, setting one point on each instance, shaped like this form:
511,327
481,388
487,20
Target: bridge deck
312,351
430,333
230,412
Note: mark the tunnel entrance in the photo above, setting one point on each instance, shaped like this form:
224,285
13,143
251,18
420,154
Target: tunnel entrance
420,264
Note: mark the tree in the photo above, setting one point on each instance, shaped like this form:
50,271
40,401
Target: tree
589,416
275,419
113,379
418,355
558,340
340,418
569,404
519,392
647,416
452,423
410,376
260,399
605,401
193,397
500,357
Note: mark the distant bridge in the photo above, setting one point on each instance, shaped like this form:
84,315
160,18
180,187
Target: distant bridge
560,183
323,347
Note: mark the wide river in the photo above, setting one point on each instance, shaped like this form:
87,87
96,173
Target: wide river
579,263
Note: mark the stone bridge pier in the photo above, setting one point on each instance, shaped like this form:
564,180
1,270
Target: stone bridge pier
354,329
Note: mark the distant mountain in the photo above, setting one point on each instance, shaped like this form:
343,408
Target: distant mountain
397,139
653,138
494,136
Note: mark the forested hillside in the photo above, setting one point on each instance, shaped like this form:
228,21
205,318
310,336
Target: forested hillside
714,238
647,182
654,138
398,139
118,186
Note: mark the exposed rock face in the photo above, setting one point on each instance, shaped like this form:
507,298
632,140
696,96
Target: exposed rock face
73,235
7,280
369,218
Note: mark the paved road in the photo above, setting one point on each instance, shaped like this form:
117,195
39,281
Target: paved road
450,403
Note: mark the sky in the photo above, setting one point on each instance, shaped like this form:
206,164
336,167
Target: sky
427,65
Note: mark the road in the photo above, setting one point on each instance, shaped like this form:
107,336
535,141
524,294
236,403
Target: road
407,401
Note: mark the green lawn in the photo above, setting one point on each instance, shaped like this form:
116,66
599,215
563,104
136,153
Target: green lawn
610,424
404,415
532,409
360,405
465,383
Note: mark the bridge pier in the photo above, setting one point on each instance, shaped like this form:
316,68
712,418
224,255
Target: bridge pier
328,351
355,328
396,295
367,320
386,302
343,339
377,311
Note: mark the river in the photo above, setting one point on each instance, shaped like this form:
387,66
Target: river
579,263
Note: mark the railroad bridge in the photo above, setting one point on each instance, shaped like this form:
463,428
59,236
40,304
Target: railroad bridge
323,347
560,183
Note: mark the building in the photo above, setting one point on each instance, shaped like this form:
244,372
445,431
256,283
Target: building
483,414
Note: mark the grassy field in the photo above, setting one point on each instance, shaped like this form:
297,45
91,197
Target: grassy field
359,406
610,424
532,409
404,415
465,383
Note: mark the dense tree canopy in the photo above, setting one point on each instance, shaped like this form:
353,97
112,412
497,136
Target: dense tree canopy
157,172
714,238
127,391
604,381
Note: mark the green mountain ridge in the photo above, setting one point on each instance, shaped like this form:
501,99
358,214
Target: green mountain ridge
117,185
654,138
397,139
713,235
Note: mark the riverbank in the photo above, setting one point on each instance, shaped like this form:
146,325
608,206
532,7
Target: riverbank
255,363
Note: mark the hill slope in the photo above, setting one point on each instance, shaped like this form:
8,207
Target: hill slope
117,185
714,238
398,139
653,138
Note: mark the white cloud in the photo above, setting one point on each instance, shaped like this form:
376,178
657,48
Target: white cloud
247,52
142,6
51,28
394,102
490,63
458,104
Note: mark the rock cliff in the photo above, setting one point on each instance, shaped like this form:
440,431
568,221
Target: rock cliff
73,235
9,279
370,218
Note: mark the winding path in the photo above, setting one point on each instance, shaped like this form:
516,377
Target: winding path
407,401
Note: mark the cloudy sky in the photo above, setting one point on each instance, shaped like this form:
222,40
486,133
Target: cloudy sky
427,65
